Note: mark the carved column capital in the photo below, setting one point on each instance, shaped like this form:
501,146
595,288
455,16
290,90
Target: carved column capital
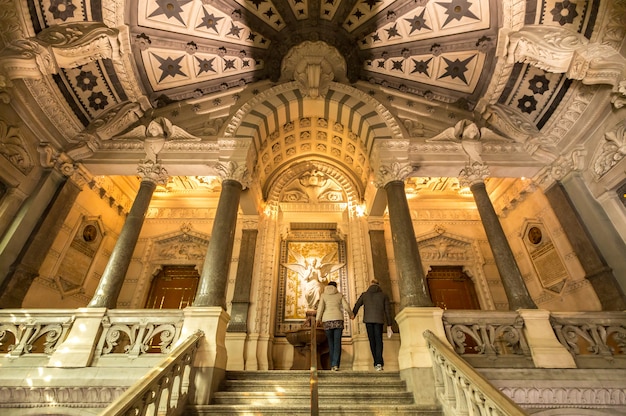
152,172
563,166
473,174
233,171
395,171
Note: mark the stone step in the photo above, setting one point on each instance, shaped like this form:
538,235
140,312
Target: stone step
302,398
389,409
287,392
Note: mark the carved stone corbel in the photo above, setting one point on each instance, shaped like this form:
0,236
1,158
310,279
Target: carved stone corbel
560,50
68,45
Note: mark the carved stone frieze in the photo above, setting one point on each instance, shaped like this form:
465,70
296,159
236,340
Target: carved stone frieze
112,122
12,147
511,122
49,100
571,397
612,149
574,161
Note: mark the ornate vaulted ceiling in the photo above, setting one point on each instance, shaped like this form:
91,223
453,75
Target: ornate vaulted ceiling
213,69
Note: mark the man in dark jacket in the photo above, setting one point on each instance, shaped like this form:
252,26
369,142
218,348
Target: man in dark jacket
376,312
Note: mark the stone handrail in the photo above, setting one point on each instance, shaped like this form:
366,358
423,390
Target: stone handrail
460,389
164,389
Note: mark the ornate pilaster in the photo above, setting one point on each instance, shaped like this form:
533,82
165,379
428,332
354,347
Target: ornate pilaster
411,279
512,281
212,285
243,281
26,267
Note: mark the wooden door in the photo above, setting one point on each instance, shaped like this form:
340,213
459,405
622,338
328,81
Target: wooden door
451,288
173,288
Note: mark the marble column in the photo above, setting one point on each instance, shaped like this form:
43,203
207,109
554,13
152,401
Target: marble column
592,261
112,279
26,268
411,279
214,278
514,286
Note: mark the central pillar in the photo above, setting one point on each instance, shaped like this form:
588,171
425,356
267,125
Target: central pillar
112,279
512,281
411,279
212,285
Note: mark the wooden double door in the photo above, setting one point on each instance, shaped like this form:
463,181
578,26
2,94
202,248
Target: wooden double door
451,288
173,288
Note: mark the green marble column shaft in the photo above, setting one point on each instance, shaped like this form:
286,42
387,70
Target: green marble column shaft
411,279
212,286
514,286
114,274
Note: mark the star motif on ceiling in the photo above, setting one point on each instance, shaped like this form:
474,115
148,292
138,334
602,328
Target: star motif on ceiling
418,22
372,3
257,3
456,68
421,67
564,12
205,65
251,37
457,9
209,20
375,37
170,9
392,31
170,67
358,14
234,30
397,65
229,64
269,13
381,64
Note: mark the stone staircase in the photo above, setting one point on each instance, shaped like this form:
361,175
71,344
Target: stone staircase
263,393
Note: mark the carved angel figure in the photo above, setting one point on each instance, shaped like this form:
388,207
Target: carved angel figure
155,134
314,273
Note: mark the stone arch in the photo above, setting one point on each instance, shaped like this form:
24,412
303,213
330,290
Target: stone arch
280,179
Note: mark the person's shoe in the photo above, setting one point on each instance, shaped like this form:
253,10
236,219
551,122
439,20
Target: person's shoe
335,368
379,367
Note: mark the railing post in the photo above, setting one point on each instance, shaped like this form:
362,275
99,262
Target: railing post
313,377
